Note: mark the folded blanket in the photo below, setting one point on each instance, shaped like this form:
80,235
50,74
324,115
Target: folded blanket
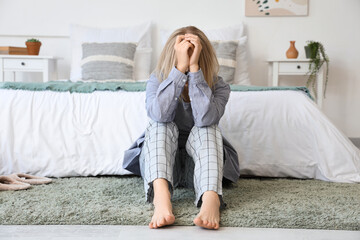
89,87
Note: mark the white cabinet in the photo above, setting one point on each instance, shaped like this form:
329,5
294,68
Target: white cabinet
28,63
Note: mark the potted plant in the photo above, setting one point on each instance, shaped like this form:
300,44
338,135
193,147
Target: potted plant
316,52
33,46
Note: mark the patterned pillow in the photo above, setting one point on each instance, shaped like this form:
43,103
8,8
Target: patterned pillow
226,55
108,61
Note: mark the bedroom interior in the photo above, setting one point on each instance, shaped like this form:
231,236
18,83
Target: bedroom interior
67,122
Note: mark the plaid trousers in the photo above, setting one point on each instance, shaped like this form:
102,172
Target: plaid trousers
199,167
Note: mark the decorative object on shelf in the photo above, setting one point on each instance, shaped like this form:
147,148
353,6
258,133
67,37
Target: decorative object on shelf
13,50
33,46
292,52
315,51
258,8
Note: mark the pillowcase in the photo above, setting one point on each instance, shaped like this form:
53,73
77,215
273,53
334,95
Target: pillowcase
226,55
232,33
108,61
138,33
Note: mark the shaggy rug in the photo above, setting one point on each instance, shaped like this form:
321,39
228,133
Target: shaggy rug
251,202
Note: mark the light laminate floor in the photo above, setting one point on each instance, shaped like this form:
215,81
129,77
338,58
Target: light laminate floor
112,232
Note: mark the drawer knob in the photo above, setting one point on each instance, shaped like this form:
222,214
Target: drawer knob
298,66
22,63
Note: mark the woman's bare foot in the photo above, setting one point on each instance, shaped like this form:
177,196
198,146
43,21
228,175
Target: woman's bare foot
163,210
209,215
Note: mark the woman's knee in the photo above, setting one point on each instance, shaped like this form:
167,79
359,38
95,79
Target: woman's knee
211,127
166,126
155,127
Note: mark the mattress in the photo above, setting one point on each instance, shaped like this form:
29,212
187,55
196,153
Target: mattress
276,133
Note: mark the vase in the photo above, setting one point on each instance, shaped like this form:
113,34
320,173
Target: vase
292,52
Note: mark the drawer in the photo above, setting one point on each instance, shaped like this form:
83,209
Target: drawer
26,64
294,68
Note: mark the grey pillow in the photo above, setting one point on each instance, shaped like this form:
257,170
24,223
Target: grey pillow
226,55
108,61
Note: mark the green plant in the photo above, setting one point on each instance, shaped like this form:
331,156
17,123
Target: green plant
33,40
317,58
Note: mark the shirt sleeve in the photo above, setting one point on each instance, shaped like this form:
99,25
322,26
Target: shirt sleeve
207,106
162,97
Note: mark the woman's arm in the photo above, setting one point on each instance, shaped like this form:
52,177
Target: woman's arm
207,107
162,98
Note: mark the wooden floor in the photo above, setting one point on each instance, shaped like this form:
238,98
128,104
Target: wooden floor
112,232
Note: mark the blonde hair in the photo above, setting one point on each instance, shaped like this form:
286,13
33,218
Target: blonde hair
207,60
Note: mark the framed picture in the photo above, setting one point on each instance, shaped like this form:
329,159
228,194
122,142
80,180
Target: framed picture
264,8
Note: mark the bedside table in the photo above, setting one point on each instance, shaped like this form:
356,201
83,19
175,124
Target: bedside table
29,63
295,67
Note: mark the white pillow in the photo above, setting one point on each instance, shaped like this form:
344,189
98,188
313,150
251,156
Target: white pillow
232,33
138,33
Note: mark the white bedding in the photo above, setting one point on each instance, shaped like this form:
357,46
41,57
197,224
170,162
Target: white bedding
276,133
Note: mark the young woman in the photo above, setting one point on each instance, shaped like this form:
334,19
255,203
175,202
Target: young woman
183,145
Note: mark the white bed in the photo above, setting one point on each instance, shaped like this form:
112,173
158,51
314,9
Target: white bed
62,134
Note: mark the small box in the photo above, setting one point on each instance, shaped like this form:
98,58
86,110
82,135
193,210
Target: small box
14,50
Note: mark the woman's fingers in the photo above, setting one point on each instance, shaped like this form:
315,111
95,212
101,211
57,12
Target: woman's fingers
186,45
179,38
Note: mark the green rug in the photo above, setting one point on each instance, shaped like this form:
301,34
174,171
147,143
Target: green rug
119,200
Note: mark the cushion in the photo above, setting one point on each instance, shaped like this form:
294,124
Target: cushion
226,55
231,33
138,33
108,61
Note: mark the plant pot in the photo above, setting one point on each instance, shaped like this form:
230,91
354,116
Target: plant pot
310,52
33,48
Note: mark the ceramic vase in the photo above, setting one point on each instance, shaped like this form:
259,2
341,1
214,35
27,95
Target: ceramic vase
292,52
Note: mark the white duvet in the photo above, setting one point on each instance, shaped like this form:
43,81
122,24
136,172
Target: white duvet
61,134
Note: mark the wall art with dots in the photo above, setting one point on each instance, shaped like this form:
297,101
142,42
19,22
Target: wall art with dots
257,8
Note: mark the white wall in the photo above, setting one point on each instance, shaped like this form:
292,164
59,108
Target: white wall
336,23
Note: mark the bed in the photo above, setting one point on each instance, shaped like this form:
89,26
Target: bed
82,128
277,132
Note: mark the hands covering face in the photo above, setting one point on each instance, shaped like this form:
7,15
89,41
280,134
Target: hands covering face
188,49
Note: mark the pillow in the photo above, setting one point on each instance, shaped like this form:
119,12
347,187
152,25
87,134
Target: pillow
108,61
232,33
226,55
138,33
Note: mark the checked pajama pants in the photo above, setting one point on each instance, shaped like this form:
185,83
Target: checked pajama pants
199,167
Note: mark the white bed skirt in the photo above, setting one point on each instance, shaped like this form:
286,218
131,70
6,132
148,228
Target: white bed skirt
62,134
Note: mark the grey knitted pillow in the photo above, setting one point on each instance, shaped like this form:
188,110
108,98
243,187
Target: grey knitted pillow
108,61
226,55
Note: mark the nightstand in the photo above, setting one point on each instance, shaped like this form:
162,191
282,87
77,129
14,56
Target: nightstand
279,67
29,63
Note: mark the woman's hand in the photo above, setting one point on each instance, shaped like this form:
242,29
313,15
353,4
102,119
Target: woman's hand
182,48
194,58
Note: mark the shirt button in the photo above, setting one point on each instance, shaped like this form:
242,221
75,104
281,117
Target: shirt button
176,98
184,80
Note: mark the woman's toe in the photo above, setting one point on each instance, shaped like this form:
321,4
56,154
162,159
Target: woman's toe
161,222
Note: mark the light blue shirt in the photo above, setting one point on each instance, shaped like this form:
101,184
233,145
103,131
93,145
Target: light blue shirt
206,107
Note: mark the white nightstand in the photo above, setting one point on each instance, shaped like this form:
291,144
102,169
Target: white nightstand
29,63
295,67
